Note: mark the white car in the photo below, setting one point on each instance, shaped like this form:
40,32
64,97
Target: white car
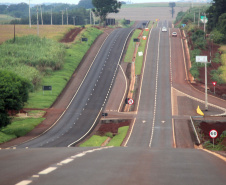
164,29
174,34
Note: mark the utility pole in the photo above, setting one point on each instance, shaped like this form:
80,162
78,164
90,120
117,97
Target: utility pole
204,25
62,17
74,21
51,16
29,15
206,97
90,15
194,17
41,14
67,16
37,22
199,18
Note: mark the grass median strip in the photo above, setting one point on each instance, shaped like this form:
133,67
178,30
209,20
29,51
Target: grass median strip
97,140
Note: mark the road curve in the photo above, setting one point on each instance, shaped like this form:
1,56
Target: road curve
85,109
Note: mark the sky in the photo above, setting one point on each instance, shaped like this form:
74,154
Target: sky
72,1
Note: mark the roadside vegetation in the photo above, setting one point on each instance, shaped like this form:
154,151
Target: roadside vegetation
219,143
41,62
96,140
201,44
141,48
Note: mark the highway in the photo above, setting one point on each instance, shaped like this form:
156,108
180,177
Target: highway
150,156
85,109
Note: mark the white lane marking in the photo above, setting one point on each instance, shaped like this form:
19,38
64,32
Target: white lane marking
25,182
66,161
104,102
142,76
53,167
74,94
47,170
202,101
156,90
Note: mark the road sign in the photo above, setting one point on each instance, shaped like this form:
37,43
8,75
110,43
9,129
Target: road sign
47,88
85,39
204,19
104,114
213,134
202,59
136,40
130,101
214,83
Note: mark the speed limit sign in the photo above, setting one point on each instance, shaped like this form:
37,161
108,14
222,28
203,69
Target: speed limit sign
130,101
213,134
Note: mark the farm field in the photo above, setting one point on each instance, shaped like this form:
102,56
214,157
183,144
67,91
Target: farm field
55,32
4,19
156,4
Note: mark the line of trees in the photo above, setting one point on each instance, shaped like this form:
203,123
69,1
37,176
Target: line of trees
216,15
78,16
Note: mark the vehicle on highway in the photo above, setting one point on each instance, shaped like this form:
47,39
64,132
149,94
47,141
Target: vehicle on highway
164,29
174,34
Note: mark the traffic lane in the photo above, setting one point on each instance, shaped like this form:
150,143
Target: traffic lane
17,165
91,95
139,166
142,129
162,135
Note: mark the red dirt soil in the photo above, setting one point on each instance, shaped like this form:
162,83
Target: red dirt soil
111,127
71,35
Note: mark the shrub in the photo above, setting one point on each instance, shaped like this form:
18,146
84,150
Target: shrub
218,37
216,76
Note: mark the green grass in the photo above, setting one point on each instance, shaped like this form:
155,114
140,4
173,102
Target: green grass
18,128
131,48
59,79
95,140
118,139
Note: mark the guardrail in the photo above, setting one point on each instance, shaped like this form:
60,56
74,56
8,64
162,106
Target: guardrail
195,129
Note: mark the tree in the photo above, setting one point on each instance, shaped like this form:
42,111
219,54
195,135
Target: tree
172,5
85,4
104,7
214,12
13,94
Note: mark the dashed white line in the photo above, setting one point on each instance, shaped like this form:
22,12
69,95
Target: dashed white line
47,170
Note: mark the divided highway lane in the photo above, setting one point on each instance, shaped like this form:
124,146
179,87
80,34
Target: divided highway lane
90,99
153,122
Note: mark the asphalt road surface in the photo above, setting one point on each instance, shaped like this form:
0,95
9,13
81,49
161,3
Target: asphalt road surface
86,107
153,122
149,157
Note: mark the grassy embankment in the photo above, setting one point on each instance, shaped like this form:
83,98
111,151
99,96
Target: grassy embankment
57,78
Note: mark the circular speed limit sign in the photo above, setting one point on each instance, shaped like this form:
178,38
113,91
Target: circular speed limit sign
130,101
213,134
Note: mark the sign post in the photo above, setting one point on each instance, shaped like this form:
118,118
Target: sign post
203,59
213,134
214,84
